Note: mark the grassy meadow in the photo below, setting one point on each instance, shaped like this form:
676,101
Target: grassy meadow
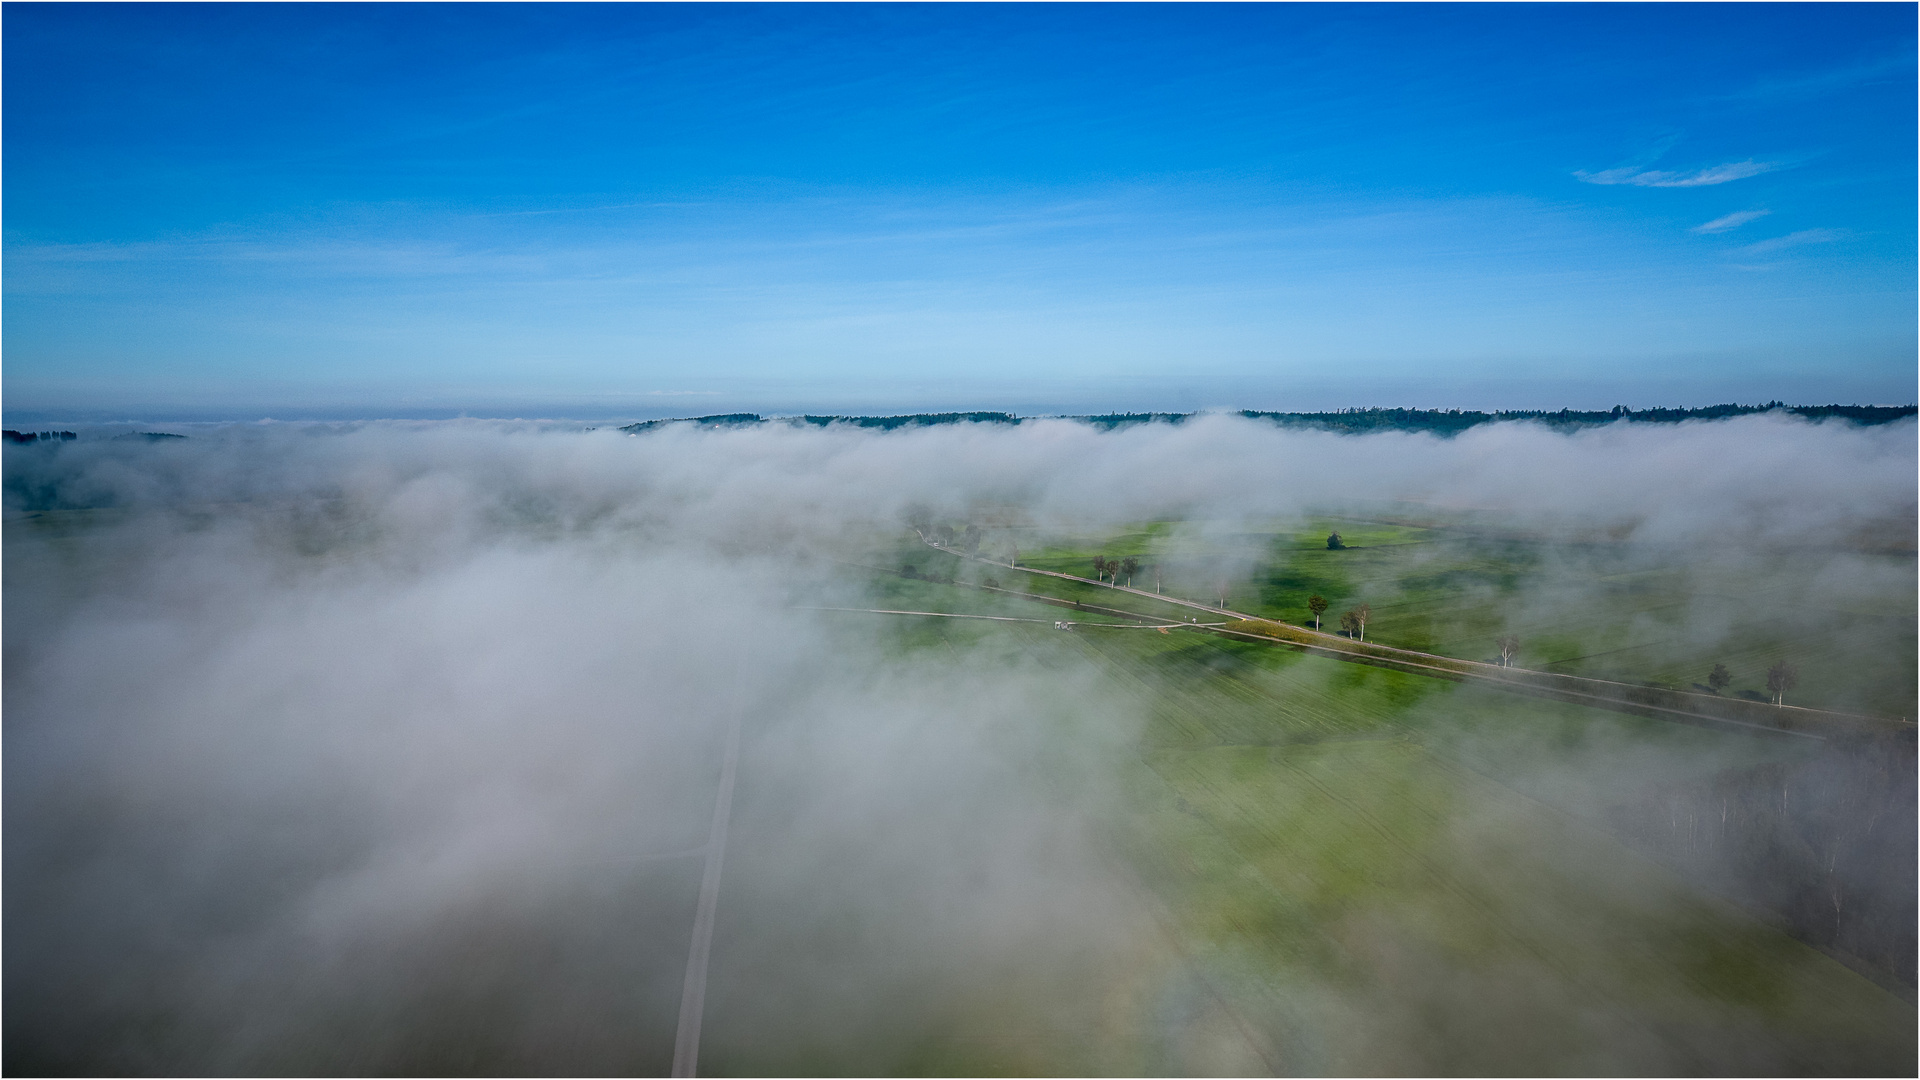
1310,867
1348,870
1598,608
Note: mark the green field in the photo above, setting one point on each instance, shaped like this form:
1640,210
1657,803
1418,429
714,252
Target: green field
1846,619
1349,870
1381,907
1272,861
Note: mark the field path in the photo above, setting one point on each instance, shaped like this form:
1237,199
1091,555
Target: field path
693,991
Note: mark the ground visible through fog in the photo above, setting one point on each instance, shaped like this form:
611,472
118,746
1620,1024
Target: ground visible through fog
393,749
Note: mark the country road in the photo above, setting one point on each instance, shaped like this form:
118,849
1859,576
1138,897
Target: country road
1163,626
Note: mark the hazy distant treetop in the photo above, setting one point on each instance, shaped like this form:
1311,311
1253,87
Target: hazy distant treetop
721,420
1453,421
888,423
1346,421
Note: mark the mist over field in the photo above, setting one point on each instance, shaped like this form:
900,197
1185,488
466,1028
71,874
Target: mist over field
391,747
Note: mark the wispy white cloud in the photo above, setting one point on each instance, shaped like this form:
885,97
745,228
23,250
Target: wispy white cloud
1834,80
1717,174
1795,239
1731,221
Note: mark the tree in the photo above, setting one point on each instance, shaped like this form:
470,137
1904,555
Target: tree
1127,566
1509,646
1156,577
1362,614
1013,554
1350,622
1220,588
1333,542
1718,678
1099,567
1782,677
1318,605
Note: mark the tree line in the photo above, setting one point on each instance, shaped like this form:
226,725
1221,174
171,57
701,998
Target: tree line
1348,421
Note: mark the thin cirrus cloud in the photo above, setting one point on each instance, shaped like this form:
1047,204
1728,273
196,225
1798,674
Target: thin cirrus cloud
1718,174
1795,239
1731,221
1821,83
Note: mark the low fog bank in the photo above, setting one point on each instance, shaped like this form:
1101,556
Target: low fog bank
391,747
1766,479
285,812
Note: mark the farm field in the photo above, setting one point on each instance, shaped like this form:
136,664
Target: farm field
1133,847
1373,847
1342,869
1845,619
1346,869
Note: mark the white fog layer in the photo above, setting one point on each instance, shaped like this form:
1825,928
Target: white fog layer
392,747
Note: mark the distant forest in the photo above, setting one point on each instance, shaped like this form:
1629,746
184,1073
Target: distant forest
1348,421
22,438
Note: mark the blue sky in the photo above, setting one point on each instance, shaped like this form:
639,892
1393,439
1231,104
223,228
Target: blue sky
646,210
